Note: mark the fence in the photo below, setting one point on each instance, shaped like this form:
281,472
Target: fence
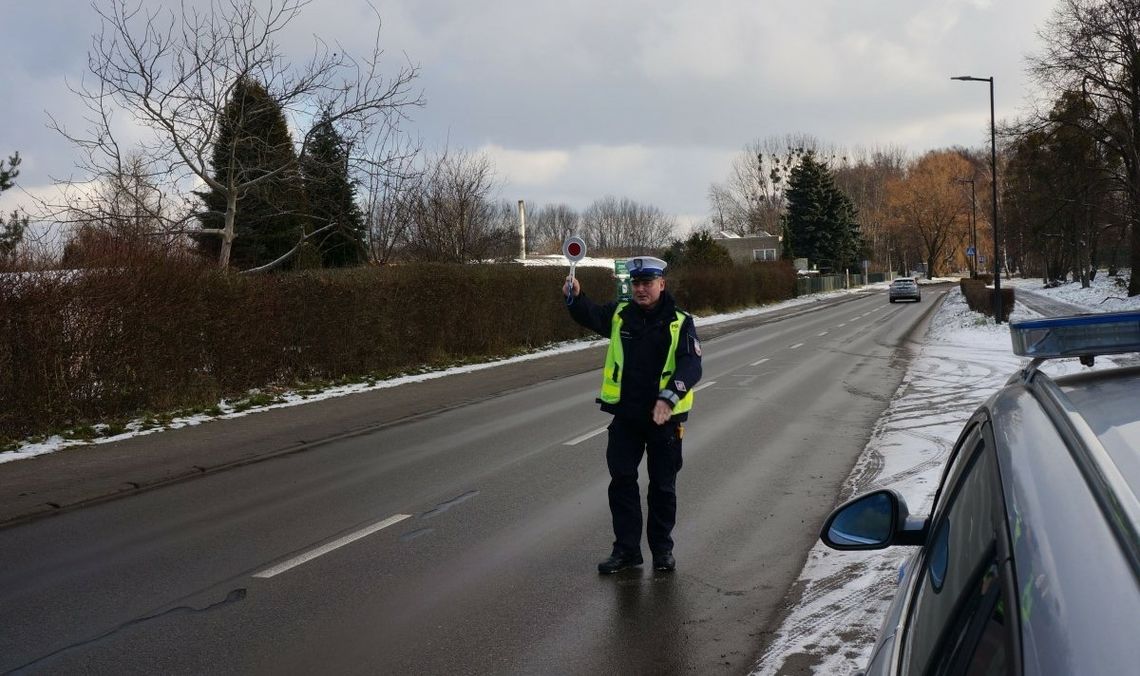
806,284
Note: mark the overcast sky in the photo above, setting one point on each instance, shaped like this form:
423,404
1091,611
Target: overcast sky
647,99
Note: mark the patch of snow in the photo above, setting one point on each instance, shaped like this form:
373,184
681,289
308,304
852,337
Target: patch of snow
1105,294
560,260
965,358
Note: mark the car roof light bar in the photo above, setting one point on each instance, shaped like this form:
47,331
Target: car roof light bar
1077,336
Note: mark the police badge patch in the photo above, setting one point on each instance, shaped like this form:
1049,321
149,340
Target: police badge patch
678,386
696,347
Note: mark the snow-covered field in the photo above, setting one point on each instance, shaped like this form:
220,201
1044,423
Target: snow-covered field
834,623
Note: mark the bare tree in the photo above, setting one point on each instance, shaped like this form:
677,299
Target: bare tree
392,179
625,227
452,217
173,76
129,202
864,177
751,199
1093,47
548,226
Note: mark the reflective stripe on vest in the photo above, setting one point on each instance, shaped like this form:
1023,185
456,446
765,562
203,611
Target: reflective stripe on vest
615,357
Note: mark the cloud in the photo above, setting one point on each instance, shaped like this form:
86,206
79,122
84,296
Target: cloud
526,168
667,177
648,99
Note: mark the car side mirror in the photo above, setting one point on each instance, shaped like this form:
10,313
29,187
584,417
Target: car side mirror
873,521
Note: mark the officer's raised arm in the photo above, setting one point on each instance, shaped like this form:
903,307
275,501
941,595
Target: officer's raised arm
595,317
571,288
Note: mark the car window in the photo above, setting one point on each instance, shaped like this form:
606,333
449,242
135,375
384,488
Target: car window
960,599
970,442
978,638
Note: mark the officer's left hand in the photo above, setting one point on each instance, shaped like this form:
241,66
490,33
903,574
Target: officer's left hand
662,412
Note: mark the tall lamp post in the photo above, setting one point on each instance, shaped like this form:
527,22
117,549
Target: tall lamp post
993,168
973,224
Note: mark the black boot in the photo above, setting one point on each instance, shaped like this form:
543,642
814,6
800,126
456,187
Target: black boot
620,561
664,561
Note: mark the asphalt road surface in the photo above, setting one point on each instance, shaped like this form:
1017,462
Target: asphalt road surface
466,541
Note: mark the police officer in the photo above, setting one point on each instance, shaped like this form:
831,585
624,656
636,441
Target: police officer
653,363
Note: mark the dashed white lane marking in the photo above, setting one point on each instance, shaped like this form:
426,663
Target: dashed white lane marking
588,435
842,325
698,388
757,363
335,544
796,346
821,335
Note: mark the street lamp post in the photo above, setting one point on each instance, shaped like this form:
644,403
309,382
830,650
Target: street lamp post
973,225
993,168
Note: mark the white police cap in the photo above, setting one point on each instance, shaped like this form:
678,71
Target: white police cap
646,266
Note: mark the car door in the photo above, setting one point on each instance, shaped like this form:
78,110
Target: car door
961,614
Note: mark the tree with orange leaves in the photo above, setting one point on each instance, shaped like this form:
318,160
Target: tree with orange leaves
927,202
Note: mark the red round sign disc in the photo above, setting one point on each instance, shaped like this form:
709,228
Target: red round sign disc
575,249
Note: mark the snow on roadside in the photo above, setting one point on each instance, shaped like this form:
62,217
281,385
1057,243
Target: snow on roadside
1105,294
844,595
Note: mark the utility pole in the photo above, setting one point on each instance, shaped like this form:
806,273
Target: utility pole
973,228
993,168
522,230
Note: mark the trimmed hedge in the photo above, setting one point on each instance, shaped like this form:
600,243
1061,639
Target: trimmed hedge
980,297
116,343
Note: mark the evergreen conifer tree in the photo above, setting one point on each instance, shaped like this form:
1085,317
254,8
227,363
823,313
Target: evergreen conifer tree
253,141
332,198
821,219
701,250
9,174
12,229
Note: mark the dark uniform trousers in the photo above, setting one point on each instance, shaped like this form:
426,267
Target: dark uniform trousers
628,440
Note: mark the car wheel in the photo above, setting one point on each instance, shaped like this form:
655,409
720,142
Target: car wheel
891,299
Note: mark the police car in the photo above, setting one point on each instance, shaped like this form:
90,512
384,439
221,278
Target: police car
1029,562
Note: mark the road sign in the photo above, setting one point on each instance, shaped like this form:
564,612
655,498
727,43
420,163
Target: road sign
621,276
970,251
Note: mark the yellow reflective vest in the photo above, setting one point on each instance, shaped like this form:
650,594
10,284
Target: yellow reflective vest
615,358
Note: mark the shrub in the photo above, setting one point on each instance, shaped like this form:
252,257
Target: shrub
166,334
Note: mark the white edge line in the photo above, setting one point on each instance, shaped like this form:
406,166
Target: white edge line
335,544
588,435
757,363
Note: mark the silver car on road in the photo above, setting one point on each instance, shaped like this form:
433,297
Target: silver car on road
904,287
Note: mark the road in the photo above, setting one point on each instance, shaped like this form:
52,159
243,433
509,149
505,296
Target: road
466,541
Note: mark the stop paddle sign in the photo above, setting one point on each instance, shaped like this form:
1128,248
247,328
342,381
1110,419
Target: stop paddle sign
574,249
